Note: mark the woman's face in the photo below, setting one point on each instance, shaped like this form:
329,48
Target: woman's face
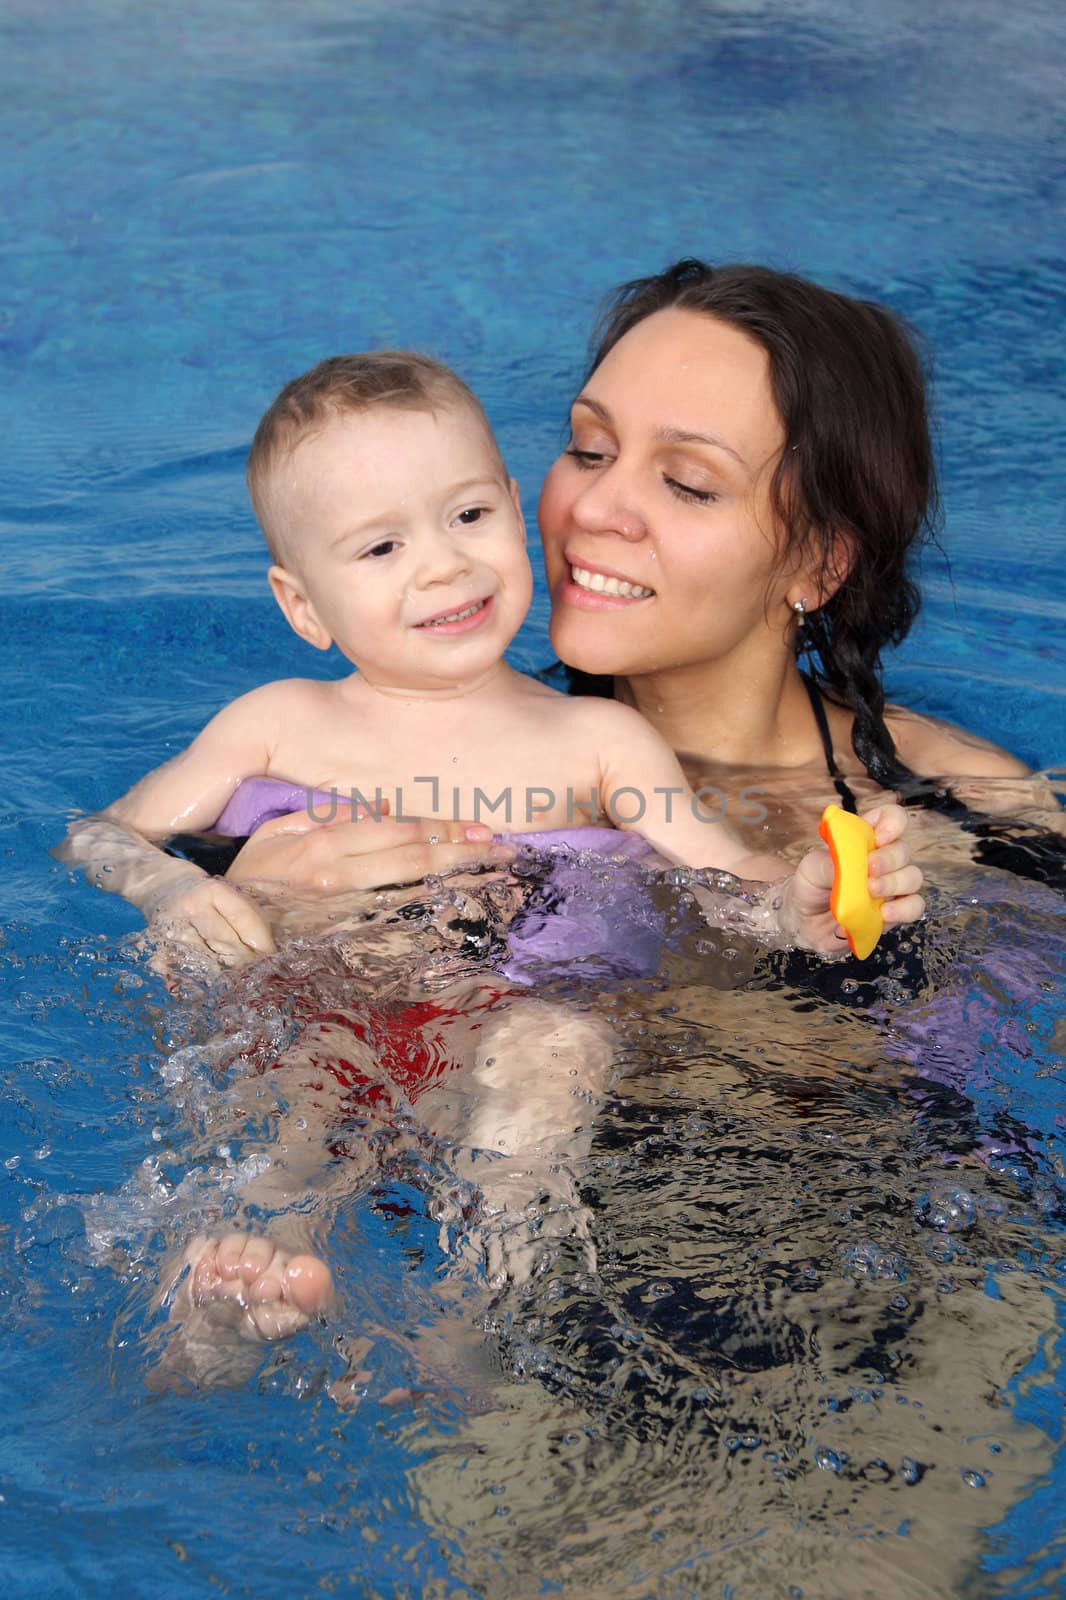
660,544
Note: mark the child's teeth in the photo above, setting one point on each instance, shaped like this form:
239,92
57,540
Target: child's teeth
458,616
598,584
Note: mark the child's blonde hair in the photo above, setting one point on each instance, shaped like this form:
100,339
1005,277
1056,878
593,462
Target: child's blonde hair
375,378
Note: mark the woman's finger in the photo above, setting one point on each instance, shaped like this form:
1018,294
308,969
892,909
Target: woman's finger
408,863
304,821
227,925
370,831
321,858
248,925
337,863
175,944
224,940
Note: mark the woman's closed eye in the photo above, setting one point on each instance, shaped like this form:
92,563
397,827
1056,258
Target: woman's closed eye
589,460
586,458
685,491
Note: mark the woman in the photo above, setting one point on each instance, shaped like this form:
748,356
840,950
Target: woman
748,472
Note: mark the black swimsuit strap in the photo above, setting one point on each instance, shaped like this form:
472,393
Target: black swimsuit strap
840,783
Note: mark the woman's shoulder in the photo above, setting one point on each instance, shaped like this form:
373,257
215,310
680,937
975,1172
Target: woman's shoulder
936,749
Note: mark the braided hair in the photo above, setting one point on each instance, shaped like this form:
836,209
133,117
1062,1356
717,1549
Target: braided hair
856,471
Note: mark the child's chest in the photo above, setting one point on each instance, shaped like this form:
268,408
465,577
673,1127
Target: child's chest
480,769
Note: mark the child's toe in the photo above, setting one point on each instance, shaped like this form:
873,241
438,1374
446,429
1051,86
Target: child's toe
309,1283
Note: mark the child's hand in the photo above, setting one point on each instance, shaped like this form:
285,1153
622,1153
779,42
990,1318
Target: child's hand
208,913
893,877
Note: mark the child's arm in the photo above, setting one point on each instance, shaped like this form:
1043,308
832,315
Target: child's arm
644,790
640,774
117,851
174,896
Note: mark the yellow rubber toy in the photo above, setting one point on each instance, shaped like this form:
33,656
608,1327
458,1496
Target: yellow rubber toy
850,840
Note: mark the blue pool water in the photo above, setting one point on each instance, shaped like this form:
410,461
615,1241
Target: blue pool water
200,205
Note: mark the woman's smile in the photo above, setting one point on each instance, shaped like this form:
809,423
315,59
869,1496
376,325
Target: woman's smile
598,582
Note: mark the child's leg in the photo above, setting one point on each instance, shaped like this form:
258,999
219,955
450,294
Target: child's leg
520,1122
517,1122
247,1286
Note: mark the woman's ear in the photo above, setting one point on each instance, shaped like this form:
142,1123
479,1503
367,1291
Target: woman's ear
817,581
299,613
839,560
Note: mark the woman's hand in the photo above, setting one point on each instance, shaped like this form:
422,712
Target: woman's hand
364,852
804,911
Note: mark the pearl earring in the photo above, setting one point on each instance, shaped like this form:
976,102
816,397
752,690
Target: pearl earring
800,609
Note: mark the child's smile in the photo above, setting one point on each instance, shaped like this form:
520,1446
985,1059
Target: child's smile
464,621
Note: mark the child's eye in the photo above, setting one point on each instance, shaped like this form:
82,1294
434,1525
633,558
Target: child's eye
586,459
471,515
684,491
384,547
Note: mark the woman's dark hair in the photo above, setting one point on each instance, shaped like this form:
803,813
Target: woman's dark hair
857,463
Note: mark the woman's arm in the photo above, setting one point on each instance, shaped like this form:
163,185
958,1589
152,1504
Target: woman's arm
119,849
980,773
938,749
177,899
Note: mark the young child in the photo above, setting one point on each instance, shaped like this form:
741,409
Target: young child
398,536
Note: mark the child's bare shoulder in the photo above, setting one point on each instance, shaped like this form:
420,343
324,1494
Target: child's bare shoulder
610,721
271,706
588,713
530,688
285,694
529,697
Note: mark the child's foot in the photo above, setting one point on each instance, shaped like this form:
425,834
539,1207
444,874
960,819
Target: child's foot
233,1292
261,1290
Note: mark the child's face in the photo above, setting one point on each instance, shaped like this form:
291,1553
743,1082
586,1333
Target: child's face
410,546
